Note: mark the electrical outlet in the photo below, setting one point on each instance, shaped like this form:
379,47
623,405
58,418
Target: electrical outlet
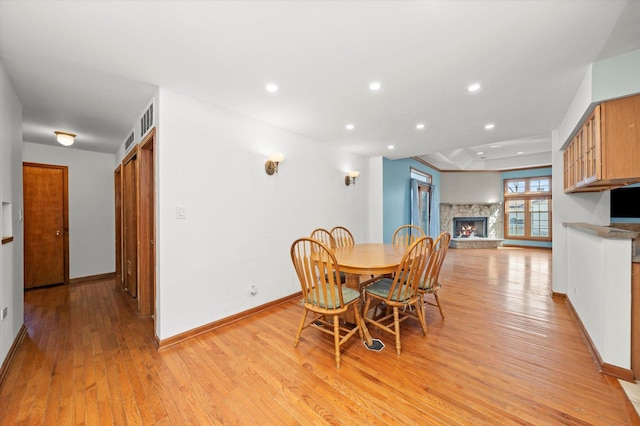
254,290
4,313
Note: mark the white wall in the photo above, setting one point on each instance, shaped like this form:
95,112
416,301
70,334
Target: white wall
11,260
91,205
240,222
470,187
617,76
587,207
599,279
614,77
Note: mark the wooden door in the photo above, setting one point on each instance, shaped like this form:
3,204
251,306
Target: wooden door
130,222
146,226
117,184
46,241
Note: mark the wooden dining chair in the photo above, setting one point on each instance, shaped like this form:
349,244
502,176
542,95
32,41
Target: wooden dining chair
400,293
430,283
342,236
324,237
407,234
327,239
322,293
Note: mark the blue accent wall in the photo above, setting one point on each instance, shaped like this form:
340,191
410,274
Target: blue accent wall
396,194
527,173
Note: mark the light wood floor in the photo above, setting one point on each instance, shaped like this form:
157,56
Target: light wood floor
507,353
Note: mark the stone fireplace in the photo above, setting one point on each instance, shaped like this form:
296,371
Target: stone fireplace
473,225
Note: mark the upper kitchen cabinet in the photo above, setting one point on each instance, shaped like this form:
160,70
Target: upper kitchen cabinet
605,151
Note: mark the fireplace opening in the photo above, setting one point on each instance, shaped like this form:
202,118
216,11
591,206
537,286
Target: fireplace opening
469,227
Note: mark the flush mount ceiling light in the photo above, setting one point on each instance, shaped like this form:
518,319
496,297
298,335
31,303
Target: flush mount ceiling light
65,138
374,86
420,126
489,126
271,88
350,126
473,87
391,147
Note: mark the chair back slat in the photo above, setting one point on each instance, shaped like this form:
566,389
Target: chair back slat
342,236
407,234
324,237
436,259
319,275
411,268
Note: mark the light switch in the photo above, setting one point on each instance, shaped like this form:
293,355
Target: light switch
181,212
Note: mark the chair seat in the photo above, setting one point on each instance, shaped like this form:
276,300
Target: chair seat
382,287
431,289
348,295
428,286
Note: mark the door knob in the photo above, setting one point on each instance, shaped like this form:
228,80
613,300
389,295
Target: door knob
57,233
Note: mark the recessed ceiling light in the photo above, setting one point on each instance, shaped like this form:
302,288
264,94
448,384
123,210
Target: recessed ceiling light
420,126
375,85
350,126
473,87
489,126
391,147
481,152
271,88
520,152
495,146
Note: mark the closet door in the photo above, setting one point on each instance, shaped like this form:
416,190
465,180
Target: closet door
45,225
130,222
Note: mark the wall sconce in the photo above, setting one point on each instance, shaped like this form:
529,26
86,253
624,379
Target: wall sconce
350,178
65,138
271,166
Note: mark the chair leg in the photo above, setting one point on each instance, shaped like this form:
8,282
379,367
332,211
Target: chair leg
396,325
367,304
304,317
419,307
359,320
435,293
336,338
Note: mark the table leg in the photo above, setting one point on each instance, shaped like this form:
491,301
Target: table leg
352,281
367,337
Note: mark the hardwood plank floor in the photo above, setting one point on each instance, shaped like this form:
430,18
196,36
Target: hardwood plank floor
506,354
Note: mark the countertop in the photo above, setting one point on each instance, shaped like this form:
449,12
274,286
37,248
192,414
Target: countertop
610,232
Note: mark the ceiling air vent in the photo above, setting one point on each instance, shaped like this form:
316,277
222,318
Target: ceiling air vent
128,142
146,122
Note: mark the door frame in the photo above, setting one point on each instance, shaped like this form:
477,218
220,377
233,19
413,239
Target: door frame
65,211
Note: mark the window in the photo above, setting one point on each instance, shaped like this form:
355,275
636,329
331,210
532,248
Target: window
419,176
421,199
527,208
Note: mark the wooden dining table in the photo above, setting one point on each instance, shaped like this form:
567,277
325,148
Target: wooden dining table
366,259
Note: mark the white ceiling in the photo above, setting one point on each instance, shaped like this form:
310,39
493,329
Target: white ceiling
90,67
